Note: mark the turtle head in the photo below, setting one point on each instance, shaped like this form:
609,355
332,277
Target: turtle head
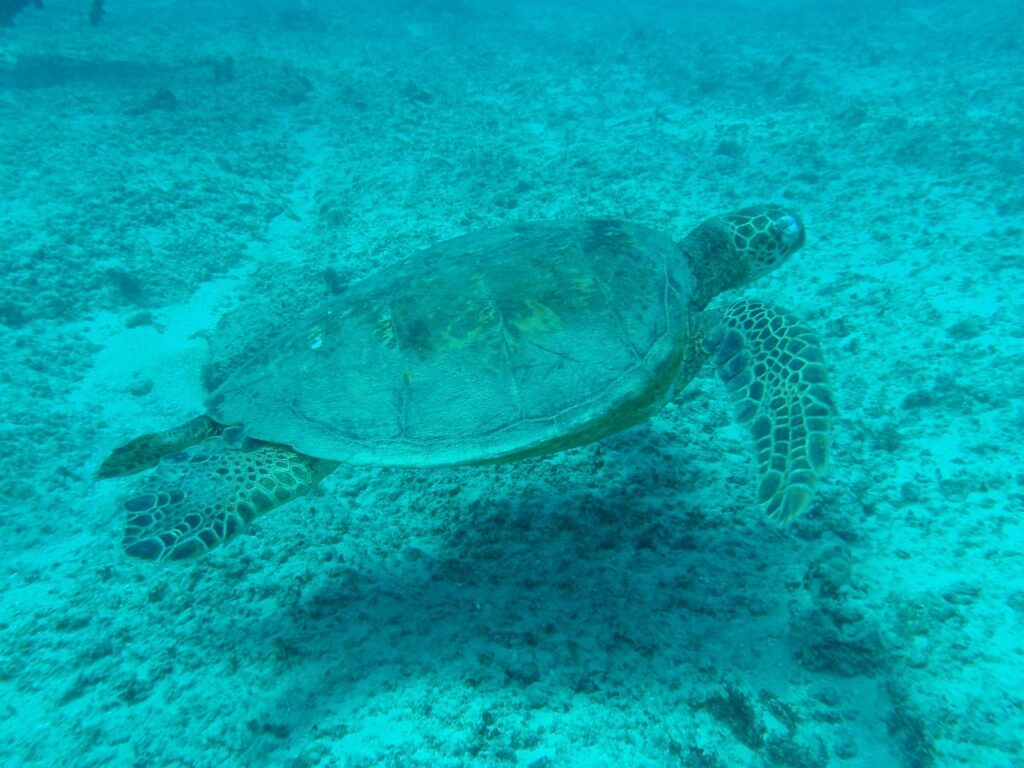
763,236
733,249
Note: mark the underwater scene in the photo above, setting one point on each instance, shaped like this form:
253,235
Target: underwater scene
521,383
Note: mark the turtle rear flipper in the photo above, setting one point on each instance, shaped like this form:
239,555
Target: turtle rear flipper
145,451
774,370
199,498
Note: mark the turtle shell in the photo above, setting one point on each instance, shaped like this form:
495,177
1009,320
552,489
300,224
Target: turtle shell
497,345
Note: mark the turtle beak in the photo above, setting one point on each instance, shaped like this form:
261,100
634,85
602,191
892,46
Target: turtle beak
789,230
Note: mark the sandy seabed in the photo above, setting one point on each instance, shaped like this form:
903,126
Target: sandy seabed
617,605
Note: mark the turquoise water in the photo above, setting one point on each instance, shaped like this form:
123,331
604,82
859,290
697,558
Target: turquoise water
621,604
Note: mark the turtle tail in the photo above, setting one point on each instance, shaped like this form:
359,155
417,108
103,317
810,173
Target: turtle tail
200,498
773,368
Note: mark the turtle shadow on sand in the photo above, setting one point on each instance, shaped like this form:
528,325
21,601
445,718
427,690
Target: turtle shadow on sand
532,605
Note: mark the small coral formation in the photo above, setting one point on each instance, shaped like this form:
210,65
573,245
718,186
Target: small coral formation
223,69
162,98
835,632
735,710
766,725
11,8
96,12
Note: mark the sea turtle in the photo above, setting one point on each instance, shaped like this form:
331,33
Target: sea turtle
495,346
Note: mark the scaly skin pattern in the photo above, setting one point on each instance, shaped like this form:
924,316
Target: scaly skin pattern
772,366
731,250
201,497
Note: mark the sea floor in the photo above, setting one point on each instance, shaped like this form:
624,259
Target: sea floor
621,604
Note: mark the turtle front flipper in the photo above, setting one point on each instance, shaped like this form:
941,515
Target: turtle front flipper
198,499
145,452
774,370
